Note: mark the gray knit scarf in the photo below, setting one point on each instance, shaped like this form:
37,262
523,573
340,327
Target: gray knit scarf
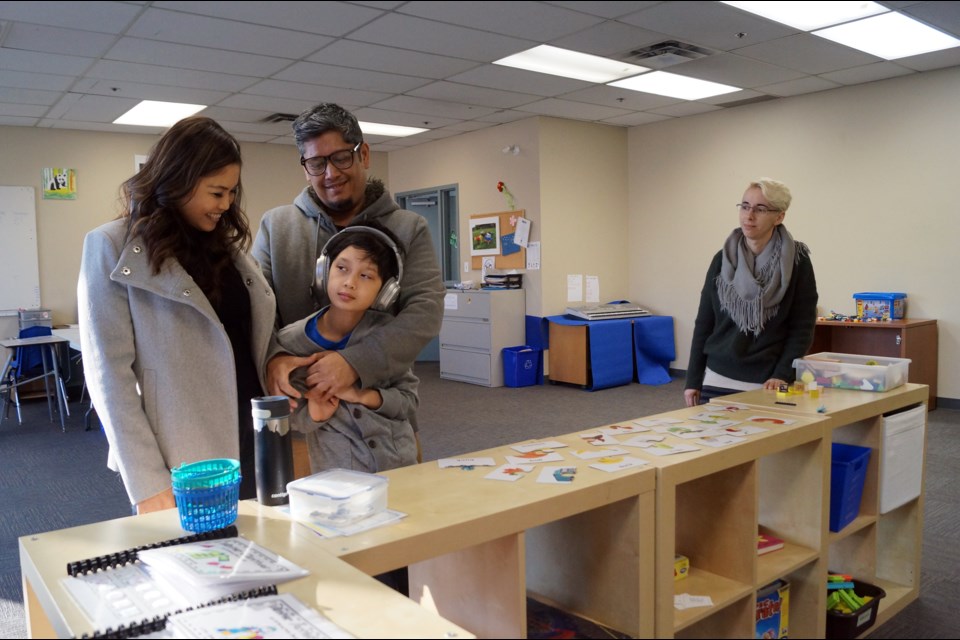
751,287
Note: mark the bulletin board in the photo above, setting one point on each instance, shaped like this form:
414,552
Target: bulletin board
509,255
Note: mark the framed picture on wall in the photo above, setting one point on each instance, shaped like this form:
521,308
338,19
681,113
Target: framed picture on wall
485,236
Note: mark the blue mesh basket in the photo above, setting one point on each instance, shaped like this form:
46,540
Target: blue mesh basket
207,493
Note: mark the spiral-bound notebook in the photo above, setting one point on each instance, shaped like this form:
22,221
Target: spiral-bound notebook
125,596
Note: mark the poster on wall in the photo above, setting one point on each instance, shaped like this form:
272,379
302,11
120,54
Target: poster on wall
59,184
485,236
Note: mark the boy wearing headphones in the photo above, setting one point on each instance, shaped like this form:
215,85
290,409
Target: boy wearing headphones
361,429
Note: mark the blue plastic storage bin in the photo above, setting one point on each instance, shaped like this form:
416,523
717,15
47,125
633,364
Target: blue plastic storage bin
521,366
881,305
848,470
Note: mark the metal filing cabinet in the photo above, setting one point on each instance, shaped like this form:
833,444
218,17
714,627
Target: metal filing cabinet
477,325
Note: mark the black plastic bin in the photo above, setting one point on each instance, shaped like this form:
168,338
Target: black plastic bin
851,625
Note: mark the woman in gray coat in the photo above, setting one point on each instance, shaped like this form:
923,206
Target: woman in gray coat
175,317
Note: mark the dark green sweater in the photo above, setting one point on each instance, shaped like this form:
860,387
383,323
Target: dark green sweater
720,344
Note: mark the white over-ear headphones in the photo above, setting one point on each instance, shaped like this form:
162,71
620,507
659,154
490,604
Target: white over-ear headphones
390,290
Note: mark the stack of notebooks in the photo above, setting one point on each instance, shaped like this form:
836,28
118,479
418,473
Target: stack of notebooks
200,586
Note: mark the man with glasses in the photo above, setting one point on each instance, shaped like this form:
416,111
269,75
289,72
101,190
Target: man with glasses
335,160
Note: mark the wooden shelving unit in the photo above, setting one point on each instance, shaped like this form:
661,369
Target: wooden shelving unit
882,549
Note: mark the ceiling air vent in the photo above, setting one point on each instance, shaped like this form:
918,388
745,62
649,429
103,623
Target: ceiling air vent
280,117
666,54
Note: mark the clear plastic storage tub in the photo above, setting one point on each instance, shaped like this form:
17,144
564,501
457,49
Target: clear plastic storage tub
337,496
851,371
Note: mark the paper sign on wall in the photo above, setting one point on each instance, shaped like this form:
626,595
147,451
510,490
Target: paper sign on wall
575,287
522,233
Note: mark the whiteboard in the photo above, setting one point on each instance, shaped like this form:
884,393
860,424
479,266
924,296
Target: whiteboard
20,276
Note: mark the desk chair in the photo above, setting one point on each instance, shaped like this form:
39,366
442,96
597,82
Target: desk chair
27,364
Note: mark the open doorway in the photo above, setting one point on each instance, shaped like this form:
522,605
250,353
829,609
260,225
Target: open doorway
438,205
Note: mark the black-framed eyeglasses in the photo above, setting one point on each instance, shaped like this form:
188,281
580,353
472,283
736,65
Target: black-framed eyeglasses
759,209
343,160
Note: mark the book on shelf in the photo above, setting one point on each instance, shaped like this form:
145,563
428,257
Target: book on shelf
134,592
767,543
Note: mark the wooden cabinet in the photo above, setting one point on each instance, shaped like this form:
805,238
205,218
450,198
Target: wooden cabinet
912,338
477,325
711,504
880,548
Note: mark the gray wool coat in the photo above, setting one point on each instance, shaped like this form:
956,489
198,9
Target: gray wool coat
157,361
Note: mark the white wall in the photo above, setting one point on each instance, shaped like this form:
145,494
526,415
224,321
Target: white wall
872,169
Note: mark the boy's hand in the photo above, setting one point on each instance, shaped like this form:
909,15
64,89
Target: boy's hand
320,410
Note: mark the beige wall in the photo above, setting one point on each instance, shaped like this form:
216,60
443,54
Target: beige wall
871,168
271,177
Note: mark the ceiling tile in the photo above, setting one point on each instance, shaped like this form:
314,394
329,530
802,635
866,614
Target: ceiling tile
932,60
510,79
30,80
92,15
685,109
169,54
268,103
620,98
230,114
142,91
709,24
467,94
37,62
807,53
944,15
636,119
405,119
408,32
610,39
98,108
74,42
734,70
113,70
329,18
529,20
172,26
428,107
572,110
331,76
18,121
807,84
27,96
606,9
504,115
315,93
867,73
364,55
18,109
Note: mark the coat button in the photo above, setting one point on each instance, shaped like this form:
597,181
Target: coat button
125,271
186,293
372,444
357,413
249,281
136,248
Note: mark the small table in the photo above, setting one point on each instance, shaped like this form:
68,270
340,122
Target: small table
47,346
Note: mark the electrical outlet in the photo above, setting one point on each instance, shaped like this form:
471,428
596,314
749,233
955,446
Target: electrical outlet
466,266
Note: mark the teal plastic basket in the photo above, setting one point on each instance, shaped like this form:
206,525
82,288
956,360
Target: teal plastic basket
207,493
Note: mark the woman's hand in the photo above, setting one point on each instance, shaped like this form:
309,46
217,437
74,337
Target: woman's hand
773,383
330,375
691,397
159,502
278,374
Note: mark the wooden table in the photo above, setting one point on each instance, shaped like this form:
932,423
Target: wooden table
476,547
358,603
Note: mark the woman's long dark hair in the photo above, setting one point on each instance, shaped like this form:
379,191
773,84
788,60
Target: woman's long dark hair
190,150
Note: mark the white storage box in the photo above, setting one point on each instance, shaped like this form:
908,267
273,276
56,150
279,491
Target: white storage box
337,497
901,468
851,371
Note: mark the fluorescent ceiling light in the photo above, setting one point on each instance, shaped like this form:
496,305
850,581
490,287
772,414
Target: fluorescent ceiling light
570,64
393,130
150,113
674,86
811,15
890,36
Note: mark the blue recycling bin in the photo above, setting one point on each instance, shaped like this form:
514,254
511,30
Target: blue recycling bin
522,366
